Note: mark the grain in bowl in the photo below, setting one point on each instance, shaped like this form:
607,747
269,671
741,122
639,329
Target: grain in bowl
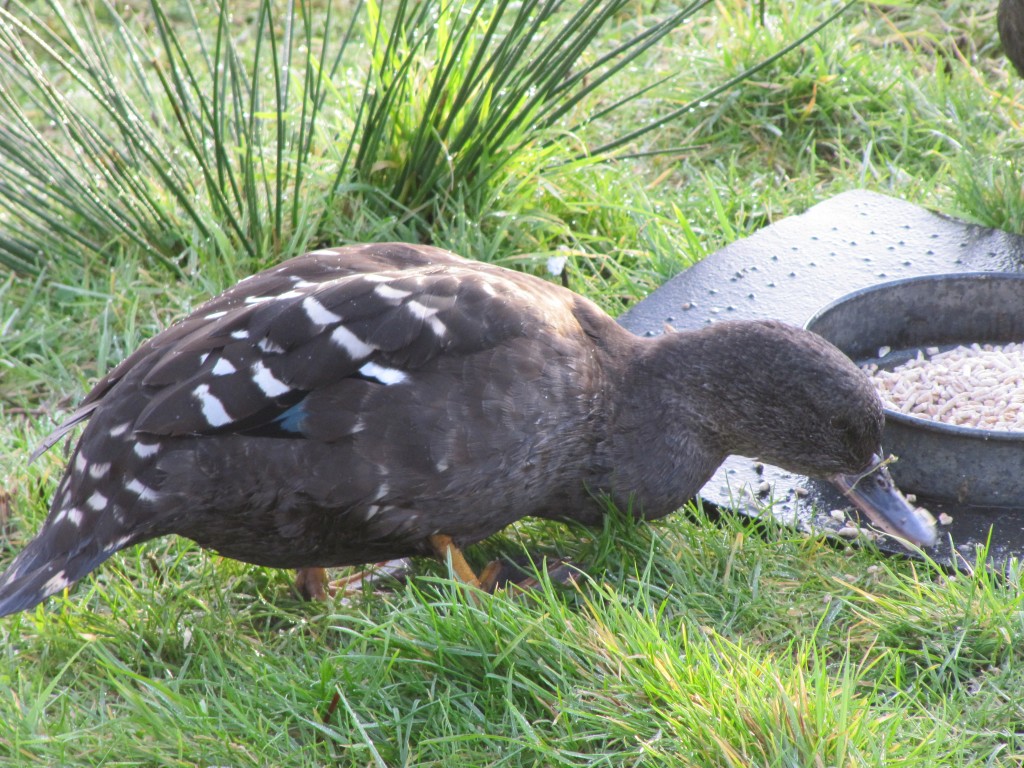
976,385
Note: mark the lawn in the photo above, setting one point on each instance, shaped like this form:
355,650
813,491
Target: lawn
154,154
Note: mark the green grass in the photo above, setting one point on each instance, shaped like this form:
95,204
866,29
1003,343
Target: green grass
689,643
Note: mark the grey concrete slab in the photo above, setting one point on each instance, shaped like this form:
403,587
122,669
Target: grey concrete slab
795,267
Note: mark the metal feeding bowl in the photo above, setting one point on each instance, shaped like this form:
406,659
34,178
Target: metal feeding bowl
938,461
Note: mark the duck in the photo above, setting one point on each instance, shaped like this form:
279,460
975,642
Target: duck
380,401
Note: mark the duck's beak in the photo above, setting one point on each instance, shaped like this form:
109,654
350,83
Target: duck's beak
875,494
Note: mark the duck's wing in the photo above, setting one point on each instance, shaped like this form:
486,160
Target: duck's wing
249,360
318,267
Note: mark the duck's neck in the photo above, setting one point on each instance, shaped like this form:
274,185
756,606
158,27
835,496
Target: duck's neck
663,444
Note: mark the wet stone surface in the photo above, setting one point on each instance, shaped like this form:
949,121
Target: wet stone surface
789,271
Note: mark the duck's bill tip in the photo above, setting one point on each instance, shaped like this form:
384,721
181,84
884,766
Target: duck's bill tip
874,493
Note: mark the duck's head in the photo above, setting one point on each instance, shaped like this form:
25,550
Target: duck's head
786,396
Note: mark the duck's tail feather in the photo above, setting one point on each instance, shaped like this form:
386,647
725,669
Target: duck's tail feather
39,571
72,421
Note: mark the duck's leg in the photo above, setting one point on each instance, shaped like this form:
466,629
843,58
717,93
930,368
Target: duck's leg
311,583
447,552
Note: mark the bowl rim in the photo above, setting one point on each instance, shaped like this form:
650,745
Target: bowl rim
918,422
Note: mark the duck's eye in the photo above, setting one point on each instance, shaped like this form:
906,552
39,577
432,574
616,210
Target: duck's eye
841,423
855,435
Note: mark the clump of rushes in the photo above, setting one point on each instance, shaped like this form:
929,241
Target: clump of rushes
178,138
196,137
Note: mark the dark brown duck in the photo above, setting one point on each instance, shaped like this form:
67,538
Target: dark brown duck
371,402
